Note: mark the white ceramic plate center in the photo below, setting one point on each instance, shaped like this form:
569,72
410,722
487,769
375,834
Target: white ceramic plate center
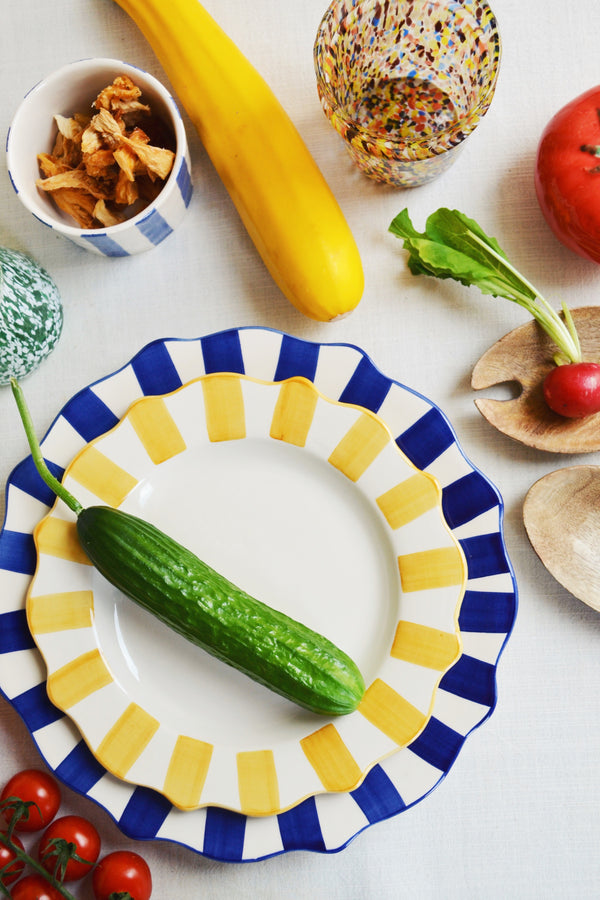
293,532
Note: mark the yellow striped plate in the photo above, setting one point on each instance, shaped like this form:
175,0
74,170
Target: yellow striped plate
309,505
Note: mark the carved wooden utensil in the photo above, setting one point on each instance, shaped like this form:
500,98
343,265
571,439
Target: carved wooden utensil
525,356
562,519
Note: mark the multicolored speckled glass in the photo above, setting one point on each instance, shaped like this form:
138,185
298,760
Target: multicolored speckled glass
405,82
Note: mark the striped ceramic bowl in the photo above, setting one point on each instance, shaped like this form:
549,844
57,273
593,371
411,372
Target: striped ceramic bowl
70,90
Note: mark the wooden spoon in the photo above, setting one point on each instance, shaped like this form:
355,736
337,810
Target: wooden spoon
562,520
525,356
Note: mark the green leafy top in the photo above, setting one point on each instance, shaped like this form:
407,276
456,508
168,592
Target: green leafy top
454,246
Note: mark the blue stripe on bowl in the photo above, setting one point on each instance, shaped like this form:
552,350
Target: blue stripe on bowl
296,358
378,797
224,833
485,555
426,439
14,633
184,183
367,387
487,612
473,679
17,552
89,415
144,814
467,498
35,708
438,745
155,370
80,769
154,227
222,352
300,828
25,477
104,244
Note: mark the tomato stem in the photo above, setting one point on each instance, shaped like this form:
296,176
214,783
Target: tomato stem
30,861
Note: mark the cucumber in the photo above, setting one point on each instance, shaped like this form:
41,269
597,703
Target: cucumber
194,600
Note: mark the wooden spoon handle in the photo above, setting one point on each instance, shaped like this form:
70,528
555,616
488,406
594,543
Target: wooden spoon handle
525,356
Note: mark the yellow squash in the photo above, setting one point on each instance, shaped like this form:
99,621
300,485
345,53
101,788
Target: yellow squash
285,203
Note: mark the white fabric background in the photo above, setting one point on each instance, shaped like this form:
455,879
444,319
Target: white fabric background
517,815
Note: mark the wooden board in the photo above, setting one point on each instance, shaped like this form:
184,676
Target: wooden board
525,356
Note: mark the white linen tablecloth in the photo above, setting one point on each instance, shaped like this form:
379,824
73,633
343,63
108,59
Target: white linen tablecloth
517,814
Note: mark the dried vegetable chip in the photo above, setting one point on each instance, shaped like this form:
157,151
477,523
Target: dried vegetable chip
104,168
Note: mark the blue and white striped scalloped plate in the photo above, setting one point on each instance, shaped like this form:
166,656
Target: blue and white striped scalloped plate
466,695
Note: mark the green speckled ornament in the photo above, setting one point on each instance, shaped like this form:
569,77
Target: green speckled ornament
31,315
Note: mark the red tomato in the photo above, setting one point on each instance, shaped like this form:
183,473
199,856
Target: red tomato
33,785
573,390
6,856
72,830
122,871
567,174
34,887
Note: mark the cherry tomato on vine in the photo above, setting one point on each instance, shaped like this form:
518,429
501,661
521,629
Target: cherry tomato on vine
120,872
33,786
67,830
34,887
7,855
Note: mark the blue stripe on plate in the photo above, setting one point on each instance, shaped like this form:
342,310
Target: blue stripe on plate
35,708
300,828
367,387
428,438
224,833
154,227
472,679
107,246
467,498
80,769
377,796
144,814
155,370
296,358
89,415
184,183
17,552
438,745
25,477
223,352
487,612
14,633
485,555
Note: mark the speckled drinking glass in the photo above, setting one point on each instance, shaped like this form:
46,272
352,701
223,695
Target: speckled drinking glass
405,83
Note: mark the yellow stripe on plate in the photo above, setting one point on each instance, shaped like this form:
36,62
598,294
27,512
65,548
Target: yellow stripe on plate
126,740
294,412
78,679
187,772
257,782
360,446
156,429
391,713
103,477
441,567
425,646
57,537
408,500
330,758
60,612
224,407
